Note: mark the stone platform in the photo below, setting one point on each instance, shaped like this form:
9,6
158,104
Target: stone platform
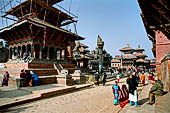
12,97
44,69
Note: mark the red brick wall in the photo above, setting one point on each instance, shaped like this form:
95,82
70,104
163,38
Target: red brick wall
40,66
21,66
158,70
13,72
162,46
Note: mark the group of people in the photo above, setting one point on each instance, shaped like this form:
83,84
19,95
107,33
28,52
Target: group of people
98,77
124,95
30,77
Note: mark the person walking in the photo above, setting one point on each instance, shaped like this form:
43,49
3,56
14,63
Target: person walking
104,78
116,90
97,77
143,78
137,78
124,96
5,79
133,90
118,77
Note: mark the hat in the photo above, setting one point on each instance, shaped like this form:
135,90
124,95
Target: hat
31,72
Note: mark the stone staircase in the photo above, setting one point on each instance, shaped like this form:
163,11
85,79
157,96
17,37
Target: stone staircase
48,72
70,67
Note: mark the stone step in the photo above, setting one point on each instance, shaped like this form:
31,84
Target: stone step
36,65
68,65
42,72
51,79
54,91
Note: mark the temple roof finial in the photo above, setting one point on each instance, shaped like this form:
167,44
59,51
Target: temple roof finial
138,46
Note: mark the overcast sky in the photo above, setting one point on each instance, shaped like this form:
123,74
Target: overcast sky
118,22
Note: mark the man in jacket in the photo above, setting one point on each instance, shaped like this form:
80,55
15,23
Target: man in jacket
156,89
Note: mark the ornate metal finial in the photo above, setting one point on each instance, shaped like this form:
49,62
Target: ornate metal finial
138,46
99,38
127,45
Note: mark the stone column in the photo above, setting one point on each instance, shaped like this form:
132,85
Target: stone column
40,52
100,45
48,53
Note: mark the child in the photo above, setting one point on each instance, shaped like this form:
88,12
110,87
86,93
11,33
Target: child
116,90
118,77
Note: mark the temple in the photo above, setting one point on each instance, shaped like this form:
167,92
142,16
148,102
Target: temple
81,55
140,58
127,58
130,58
38,33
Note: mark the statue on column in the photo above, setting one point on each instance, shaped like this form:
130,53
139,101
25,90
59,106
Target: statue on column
100,45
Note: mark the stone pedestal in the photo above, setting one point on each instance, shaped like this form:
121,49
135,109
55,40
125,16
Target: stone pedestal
78,77
64,78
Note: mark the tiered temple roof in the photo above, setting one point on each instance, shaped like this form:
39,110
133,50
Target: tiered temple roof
34,18
38,30
127,50
140,55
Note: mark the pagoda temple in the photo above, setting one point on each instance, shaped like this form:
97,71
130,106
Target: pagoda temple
140,57
83,54
38,32
127,58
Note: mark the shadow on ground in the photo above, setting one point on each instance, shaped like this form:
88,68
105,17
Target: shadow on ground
142,101
12,93
15,110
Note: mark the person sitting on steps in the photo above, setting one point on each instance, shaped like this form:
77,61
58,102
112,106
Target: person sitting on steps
156,89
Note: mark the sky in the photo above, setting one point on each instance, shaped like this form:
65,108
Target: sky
118,22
